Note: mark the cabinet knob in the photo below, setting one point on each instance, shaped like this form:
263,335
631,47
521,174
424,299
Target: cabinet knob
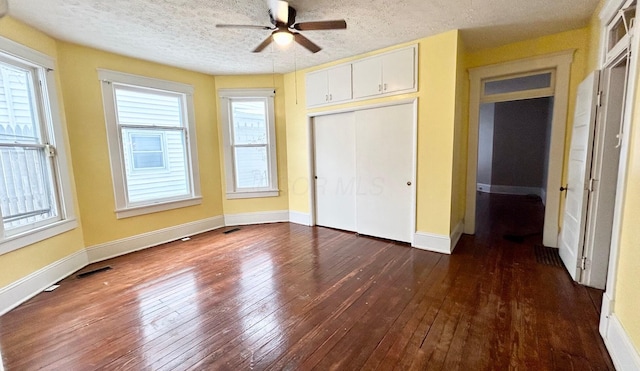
409,183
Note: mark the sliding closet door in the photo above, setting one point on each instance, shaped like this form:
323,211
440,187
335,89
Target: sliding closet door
384,168
335,171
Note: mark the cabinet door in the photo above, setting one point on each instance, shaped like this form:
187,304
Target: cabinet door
398,70
367,78
339,81
317,89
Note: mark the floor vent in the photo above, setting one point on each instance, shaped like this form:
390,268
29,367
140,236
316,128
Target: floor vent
548,256
91,272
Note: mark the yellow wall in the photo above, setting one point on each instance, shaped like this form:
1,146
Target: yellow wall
627,299
437,77
20,263
267,203
87,134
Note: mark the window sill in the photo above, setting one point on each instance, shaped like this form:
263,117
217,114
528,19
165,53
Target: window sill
259,194
19,241
154,208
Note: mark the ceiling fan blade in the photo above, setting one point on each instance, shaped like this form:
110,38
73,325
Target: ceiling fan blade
243,26
313,48
279,10
263,45
321,25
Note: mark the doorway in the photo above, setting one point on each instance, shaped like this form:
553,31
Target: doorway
543,76
513,157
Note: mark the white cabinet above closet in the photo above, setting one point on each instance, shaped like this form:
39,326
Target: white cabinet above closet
389,73
332,85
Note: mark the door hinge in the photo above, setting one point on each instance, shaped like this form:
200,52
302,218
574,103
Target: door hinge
50,150
583,263
599,99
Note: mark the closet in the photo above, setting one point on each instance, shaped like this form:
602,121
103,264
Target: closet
365,171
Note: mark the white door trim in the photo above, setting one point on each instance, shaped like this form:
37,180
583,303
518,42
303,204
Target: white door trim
616,230
561,62
311,149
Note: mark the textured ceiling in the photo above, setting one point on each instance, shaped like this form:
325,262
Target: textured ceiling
182,32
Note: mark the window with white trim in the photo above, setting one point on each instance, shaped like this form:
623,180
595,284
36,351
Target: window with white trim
150,126
249,140
36,202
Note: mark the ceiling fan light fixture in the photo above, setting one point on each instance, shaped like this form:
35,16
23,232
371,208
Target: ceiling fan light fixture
282,38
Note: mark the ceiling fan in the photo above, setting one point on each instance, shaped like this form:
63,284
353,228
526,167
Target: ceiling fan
283,20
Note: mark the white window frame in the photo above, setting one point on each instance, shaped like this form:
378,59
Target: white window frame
53,135
123,208
163,146
226,97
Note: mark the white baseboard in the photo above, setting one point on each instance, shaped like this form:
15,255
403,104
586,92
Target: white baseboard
515,190
437,242
300,218
142,241
27,287
622,351
262,217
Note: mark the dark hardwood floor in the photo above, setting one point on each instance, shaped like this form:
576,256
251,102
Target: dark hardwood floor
284,296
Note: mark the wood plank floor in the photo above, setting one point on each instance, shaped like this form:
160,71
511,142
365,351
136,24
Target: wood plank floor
284,296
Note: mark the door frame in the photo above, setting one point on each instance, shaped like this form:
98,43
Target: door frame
561,63
606,15
312,161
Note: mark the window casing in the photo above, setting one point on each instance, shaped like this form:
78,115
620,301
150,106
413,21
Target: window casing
249,139
150,125
36,201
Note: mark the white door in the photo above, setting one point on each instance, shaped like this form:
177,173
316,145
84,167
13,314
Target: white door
335,171
575,208
604,171
385,170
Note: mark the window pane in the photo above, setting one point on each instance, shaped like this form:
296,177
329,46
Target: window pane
135,107
18,118
249,122
518,84
251,167
147,150
145,180
25,190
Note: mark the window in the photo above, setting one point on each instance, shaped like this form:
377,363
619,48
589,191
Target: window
249,142
35,195
153,157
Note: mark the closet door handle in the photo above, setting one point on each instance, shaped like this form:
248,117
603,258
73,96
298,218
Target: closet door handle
562,189
409,183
